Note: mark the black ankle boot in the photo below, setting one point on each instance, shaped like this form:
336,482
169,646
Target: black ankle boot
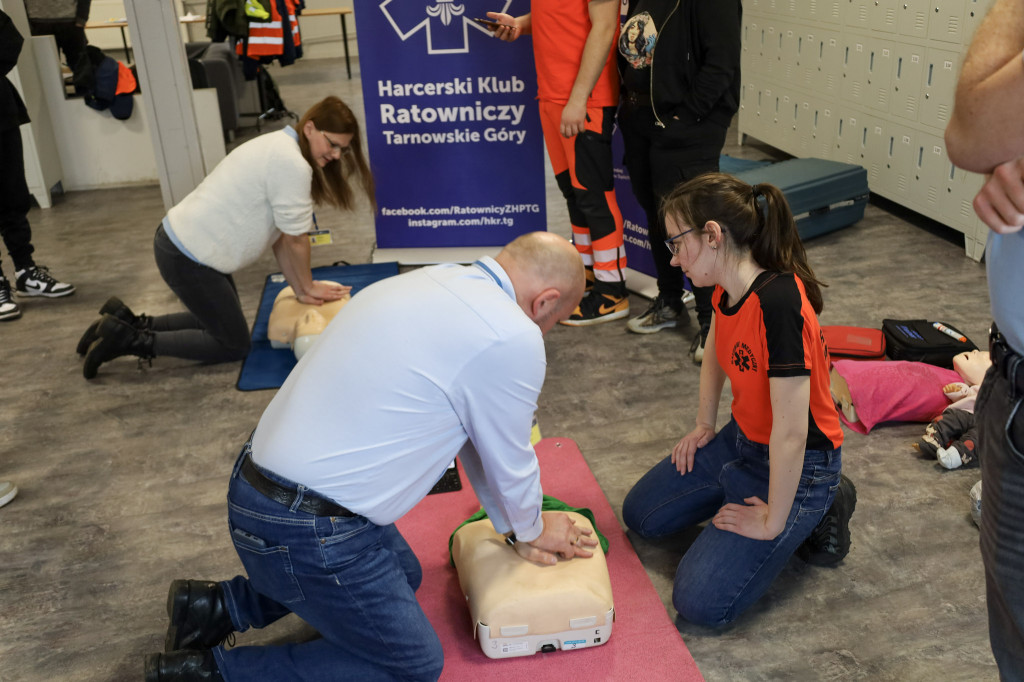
183,666
116,338
116,307
199,617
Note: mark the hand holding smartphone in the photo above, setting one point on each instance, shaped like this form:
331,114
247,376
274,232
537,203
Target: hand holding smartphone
503,27
489,23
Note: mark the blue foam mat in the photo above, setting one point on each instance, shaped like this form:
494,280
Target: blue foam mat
267,367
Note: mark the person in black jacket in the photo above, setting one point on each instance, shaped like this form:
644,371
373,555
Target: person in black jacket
678,99
63,19
15,200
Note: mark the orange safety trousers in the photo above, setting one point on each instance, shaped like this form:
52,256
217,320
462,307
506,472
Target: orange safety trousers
582,165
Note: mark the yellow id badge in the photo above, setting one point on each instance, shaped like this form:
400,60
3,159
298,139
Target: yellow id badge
319,237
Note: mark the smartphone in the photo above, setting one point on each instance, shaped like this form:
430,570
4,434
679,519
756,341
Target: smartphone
489,23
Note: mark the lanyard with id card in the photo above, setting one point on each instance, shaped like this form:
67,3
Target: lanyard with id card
318,237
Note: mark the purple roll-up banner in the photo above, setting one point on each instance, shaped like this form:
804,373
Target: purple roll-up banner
453,132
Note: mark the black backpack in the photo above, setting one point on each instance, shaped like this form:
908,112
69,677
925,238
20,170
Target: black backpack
924,341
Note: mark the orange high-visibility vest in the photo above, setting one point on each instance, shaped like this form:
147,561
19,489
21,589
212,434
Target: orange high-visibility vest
266,38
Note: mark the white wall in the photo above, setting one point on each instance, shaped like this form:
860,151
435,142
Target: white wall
97,150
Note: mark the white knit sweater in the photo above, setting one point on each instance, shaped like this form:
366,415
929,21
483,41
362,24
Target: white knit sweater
259,190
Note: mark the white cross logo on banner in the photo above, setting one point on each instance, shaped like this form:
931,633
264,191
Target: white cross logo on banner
444,22
446,9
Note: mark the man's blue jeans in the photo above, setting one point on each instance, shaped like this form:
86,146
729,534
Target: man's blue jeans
722,574
999,411
350,579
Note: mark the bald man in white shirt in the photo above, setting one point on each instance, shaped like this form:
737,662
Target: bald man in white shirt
443,361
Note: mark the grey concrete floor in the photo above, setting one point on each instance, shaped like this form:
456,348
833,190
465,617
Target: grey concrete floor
123,478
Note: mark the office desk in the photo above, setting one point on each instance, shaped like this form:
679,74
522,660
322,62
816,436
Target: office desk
341,12
335,11
122,24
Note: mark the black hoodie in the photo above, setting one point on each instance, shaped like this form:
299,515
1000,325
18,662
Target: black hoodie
12,109
694,65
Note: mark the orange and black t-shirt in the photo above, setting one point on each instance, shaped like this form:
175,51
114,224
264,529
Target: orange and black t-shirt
560,29
773,332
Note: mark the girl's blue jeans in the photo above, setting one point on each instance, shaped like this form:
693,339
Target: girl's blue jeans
722,574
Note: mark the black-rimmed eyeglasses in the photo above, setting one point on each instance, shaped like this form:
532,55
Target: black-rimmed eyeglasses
335,147
671,243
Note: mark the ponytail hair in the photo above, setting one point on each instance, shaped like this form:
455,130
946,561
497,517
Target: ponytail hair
755,219
331,183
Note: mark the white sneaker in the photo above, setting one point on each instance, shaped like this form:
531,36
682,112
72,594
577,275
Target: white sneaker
37,281
9,310
7,492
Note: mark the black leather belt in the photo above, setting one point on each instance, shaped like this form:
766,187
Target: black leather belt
1008,362
312,503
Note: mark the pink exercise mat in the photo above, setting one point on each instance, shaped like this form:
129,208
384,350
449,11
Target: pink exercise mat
645,645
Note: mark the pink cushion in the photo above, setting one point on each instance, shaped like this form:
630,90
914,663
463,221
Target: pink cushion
895,390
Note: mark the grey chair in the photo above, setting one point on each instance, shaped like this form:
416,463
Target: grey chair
214,65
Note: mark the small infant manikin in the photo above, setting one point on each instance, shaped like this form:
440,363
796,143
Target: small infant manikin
952,436
297,325
972,366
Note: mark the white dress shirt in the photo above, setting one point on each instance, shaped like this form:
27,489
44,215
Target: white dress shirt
415,370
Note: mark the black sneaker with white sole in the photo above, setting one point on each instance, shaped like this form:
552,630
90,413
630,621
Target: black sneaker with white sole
661,314
829,542
37,281
606,301
699,341
9,310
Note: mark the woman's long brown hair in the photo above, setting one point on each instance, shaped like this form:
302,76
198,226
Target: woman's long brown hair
331,183
755,217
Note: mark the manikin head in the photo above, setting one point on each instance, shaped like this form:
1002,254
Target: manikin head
297,325
307,330
972,365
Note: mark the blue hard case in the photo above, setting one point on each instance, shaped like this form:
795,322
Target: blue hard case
824,195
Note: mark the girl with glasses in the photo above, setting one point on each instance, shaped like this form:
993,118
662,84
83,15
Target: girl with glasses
769,480
261,194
